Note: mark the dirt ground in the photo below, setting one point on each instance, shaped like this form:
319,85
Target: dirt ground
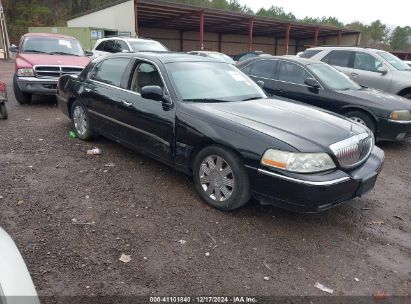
73,216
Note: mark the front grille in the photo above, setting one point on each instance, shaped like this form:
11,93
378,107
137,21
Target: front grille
408,135
54,71
354,150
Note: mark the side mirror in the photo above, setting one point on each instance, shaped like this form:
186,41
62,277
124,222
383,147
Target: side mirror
89,53
261,84
13,48
311,82
382,70
152,92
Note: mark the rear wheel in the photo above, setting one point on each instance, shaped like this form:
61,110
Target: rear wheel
220,178
21,97
3,111
80,121
362,118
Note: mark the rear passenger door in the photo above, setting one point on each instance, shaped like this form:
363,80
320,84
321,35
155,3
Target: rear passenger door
103,91
264,70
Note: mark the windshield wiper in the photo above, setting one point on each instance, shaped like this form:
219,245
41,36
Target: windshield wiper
206,100
253,98
63,53
35,51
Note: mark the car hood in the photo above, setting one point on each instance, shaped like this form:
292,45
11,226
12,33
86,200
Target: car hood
44,59
388,101
303,127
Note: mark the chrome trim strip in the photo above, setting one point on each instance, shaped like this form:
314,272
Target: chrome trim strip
35,79
304,182
400,121
131,127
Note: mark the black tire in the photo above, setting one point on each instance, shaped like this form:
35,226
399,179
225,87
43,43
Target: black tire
87,134
407,96
3,111
240,191
366,118
21,97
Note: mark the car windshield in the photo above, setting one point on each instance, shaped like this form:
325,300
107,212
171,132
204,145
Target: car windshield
333,78
222,57
394,61
212,82
53,46
147,45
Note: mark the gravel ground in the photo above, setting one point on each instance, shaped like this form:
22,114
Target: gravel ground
73,217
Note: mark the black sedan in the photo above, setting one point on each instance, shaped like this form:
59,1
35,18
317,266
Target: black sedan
319,84
207,119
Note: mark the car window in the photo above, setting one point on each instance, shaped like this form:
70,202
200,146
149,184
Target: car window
264,68
110,71
109,46
395,61
121,46
145,74
101,45
247,56
366,62
247,69
291,72
309,53
338,58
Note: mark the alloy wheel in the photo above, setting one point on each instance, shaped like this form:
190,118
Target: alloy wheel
80,120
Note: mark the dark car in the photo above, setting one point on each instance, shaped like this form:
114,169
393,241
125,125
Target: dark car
321,85
248,55
207,119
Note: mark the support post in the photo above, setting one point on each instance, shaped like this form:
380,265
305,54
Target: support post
250,34
136,17
276,45
357,43
317,31
202,30
181,41
339,38
219,42
287,38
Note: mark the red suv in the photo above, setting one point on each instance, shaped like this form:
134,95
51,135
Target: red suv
40,61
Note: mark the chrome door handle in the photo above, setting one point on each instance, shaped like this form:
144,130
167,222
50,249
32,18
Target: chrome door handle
87,90
354,75
126,103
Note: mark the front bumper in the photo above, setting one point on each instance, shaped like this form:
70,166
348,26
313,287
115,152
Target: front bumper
394,130
315,192
40,86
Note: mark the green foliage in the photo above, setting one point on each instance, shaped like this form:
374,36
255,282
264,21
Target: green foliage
276,12
399,38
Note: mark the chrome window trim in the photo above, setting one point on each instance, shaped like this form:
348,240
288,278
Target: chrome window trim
131,127
400,121
129,91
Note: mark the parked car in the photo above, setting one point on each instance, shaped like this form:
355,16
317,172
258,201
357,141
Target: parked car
16,285
319,84
207,119
368,67
41,59
107,46
408,63
220,56
3,100
248,55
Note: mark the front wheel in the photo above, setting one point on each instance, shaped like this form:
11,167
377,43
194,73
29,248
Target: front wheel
3,111
220,178
363,119
80,121
21,97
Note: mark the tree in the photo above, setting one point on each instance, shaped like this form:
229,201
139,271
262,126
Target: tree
378,31
276,12
399,38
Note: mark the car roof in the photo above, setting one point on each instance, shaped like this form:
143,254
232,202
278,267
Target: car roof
166,57
48,35
303,61
126,38
345,48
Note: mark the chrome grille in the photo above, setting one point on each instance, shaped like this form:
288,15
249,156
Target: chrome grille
408,135
354,150
55,71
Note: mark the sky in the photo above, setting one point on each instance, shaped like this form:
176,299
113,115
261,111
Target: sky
392,13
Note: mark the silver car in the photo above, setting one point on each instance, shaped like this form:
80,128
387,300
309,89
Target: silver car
16,286
368,67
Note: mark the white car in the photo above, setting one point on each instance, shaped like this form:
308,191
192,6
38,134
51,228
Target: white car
112,45
407,62
216,55
16,286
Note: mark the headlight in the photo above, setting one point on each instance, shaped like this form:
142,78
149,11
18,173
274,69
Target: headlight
297,162
26,72
400,115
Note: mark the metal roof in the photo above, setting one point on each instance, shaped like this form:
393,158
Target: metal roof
184,17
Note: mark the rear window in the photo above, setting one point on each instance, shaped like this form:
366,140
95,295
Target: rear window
110,71
309,53
338,58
